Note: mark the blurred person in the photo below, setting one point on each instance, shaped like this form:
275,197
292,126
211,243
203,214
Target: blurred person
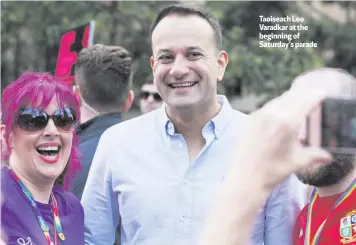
157,174
330,216
353,128
103,79
38,120
149,97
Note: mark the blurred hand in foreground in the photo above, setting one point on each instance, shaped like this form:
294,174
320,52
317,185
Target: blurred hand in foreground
267,153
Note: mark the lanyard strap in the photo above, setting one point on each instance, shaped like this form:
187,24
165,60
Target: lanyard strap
342,198
41,221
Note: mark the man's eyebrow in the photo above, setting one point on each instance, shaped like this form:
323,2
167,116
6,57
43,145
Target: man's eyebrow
194,48
163,51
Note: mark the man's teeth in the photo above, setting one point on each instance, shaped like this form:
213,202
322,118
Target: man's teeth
48,148
176,85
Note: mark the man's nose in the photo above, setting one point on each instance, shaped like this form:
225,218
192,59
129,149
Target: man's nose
150,98
180,67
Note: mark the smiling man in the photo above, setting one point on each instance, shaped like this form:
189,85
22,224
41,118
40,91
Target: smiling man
159,178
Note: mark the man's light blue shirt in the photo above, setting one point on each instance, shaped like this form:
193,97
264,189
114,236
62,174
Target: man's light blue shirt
141,177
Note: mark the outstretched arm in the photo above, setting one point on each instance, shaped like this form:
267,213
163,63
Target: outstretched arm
269,151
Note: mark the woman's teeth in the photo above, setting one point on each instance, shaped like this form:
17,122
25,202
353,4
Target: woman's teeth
48,148
48,151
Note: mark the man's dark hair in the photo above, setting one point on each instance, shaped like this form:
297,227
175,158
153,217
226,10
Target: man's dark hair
189,9
103,74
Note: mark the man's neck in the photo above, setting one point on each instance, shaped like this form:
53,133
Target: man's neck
87,114
337,188
40,191
190,122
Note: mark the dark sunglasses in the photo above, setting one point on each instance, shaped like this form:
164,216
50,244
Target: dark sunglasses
146,94
32,120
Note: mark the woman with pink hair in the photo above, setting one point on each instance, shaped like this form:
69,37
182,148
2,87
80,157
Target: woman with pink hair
38,118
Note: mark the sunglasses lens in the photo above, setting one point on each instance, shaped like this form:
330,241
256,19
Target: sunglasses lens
32,120
64,119
157,97
144,94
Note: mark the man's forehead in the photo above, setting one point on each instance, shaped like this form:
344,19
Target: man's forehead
183,32
177,21
149,87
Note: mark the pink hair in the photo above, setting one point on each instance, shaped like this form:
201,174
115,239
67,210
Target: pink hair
37,88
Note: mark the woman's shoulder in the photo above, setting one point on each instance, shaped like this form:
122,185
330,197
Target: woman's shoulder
67,201
71,214
4,173
8,185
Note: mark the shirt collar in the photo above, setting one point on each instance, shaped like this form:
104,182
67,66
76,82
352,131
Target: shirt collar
221,119
217,124
100,121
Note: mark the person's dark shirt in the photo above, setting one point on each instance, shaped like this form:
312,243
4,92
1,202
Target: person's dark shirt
89,135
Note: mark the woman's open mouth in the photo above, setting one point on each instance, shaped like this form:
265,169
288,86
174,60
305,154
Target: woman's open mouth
49,154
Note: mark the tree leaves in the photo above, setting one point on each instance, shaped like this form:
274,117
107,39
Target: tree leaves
31,34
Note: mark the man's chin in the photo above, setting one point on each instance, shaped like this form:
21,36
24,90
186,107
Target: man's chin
326,175
314,180
310,174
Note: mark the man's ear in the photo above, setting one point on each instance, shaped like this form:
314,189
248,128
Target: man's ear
77,93
223,60
153,64
129,101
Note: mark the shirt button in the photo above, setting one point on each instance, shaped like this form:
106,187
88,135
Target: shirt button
181,219
180,146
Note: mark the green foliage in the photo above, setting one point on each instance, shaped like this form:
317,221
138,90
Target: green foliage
31,33
261,71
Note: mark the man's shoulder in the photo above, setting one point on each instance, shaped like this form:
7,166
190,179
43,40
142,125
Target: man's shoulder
236,121
139,123
299,226
238,114
132,131
302,216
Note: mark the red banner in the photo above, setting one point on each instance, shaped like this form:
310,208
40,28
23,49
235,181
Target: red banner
72,42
